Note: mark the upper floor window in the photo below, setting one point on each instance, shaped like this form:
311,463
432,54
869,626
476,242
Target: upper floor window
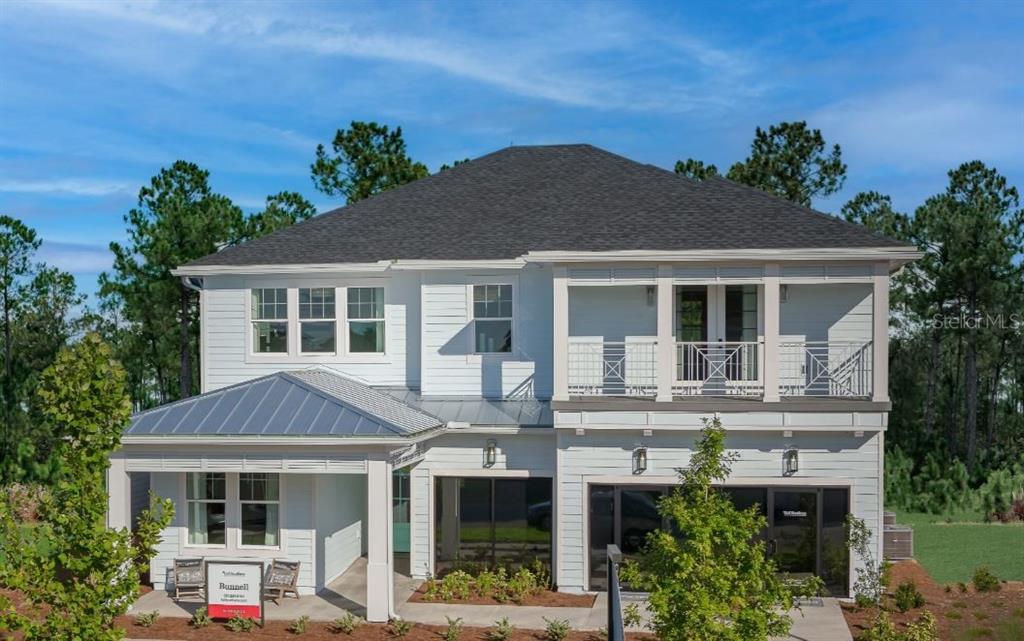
259,496
366,320
270,320
205,496
317,320
492,318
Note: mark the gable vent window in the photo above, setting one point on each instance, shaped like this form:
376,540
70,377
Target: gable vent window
317,320
492,318
366,320
270,321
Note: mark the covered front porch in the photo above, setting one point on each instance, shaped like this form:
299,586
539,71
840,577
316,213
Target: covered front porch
295,467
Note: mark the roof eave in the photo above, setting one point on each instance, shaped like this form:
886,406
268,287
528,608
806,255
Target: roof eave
897,255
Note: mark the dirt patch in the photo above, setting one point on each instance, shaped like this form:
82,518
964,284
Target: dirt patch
179,630
960,614
549,598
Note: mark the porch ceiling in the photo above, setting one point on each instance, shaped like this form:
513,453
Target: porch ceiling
313,402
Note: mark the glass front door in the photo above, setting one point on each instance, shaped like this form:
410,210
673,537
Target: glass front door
793,541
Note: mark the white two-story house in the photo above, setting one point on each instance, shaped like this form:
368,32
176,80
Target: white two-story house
508,361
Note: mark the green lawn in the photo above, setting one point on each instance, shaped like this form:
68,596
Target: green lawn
951,551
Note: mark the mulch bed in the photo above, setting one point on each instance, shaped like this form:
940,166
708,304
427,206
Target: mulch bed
549,598
179,630
956,611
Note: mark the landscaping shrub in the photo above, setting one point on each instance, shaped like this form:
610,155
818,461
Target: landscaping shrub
146,619
631,617
495,584
924,629
984,580
299,625
400,628
347,623
556,629
502,630
454,629
872,575
907,596
240,624
456,585
200,619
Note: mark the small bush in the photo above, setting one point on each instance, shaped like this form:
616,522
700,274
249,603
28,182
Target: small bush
239,623
347,623
454,629
953,614
984,580
631,617
456,585
200,619
924,629
400,628
962,587
146,619
431,589
299,625
601,634
907,596
556,629
502,630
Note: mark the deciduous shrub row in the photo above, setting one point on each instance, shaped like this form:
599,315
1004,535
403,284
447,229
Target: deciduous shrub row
499,585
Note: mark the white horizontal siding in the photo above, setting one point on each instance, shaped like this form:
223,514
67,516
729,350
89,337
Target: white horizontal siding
464,454
826,456
340,510
612,313
832,312
449,366
224,332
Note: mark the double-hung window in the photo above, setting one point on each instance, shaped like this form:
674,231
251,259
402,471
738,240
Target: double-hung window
492,318
366,320
270,321
316,320
259,496
205,496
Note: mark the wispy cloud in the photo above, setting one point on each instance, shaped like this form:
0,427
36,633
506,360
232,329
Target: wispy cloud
76,258
69,186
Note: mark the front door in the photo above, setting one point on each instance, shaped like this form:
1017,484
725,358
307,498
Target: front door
793,536
692,331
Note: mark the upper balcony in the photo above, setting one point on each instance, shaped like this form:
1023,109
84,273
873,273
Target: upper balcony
762,333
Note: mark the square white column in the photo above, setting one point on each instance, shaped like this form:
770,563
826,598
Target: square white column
560,335
666,347
770,373
880,333
379,545
119,493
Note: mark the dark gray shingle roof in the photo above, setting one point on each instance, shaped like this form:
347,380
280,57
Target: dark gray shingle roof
549,198
311,402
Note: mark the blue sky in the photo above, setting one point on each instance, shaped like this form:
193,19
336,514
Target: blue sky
95,97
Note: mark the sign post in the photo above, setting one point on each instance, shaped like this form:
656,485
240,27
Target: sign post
235,588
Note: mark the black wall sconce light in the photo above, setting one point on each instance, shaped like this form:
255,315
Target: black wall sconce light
790,462
640,460
490,453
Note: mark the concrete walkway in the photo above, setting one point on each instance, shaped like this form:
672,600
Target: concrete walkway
818,620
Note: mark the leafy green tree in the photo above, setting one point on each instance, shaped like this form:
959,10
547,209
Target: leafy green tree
696,169
17,245
791,161
76,575
709,577
179,218
283,210
367,159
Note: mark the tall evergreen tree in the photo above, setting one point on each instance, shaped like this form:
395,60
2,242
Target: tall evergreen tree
367,158
695,169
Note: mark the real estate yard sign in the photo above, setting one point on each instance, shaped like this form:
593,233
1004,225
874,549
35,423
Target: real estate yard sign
234,588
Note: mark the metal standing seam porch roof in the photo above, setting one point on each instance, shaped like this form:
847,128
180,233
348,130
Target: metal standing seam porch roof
313,402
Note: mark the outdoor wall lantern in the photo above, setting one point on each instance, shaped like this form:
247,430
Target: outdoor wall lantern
490,453
640,460
790,462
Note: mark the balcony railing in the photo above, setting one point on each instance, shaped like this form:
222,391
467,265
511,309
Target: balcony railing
718,369
825,368
602,368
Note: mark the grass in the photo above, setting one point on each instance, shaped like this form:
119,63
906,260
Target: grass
951,551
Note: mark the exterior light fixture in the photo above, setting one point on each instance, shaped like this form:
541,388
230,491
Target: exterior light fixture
490,453
790,462
640,460
652,295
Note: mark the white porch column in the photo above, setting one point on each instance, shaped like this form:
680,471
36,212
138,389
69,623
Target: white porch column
379,575
666,341
770,373
560,335
119,493
880,333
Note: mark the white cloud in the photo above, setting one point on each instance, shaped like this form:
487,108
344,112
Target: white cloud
69,186
76,258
